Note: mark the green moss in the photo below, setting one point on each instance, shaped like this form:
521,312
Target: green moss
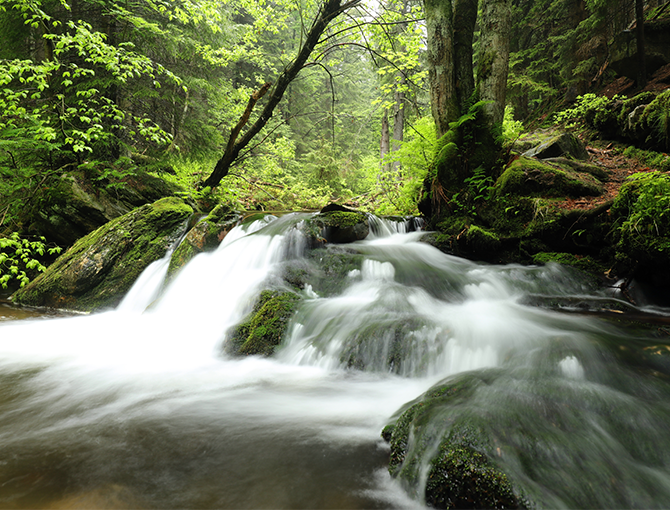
263,329
530,177
582,262
641,214
462,477
341,219
482,241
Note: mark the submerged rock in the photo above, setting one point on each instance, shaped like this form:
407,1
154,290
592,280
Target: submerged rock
460,473
101,267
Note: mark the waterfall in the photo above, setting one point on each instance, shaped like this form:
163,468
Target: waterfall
142,407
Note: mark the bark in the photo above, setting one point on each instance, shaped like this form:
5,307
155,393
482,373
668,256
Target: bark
329,10
493,63
398,120
639,35
385,144
450,29
439,57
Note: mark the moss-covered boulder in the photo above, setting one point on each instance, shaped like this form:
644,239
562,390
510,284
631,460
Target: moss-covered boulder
75,206
101,267
263,329
205,235
563,144
445,459
641,214
336,224
529,177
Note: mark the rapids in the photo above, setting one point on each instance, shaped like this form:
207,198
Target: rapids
139,407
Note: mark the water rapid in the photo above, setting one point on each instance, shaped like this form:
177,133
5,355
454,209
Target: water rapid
141,407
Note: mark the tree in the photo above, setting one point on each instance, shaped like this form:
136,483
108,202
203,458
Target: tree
327,12
467,109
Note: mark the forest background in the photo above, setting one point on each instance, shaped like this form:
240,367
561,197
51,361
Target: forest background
105,91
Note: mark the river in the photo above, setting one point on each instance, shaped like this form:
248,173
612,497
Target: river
140,407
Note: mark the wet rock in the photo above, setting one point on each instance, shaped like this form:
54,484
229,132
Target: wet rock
263,329
206,235
460,472
336,224
100,268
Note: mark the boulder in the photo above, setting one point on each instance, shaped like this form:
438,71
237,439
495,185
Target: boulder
75,207
100,268
264,328
336,224
564,144
529,177
206,235
455,450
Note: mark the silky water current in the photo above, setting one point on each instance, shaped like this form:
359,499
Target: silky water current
140,407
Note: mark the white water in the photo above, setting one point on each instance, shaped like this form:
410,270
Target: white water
139,407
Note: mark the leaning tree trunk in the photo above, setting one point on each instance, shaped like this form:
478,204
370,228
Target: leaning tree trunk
329,10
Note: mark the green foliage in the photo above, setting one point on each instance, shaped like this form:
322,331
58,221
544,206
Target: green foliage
589,108
644,206
398,191
655,160
21,259
511,129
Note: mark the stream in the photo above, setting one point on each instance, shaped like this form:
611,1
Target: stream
140,407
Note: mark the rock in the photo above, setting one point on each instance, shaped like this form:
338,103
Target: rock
529,177
75,208
565,144
206,235
460,472
100,268
336,225
264,328
641,228
635,116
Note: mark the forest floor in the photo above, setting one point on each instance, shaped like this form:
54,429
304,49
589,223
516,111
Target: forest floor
618,166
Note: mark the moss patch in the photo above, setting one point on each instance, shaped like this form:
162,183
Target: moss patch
530,177
263,329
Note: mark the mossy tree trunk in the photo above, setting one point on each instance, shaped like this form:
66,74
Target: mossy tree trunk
468,112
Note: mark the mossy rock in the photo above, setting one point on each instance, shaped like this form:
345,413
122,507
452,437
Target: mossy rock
460,472
581,262
206,235
263,329
75,207
563,144
339,227
530,177
100,268
641,214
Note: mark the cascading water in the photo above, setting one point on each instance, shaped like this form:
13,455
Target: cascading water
140,406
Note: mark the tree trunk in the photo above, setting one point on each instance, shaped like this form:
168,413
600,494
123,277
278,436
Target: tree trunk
385,143
450,29
639,34
328,11
398,120
493,62
439,57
